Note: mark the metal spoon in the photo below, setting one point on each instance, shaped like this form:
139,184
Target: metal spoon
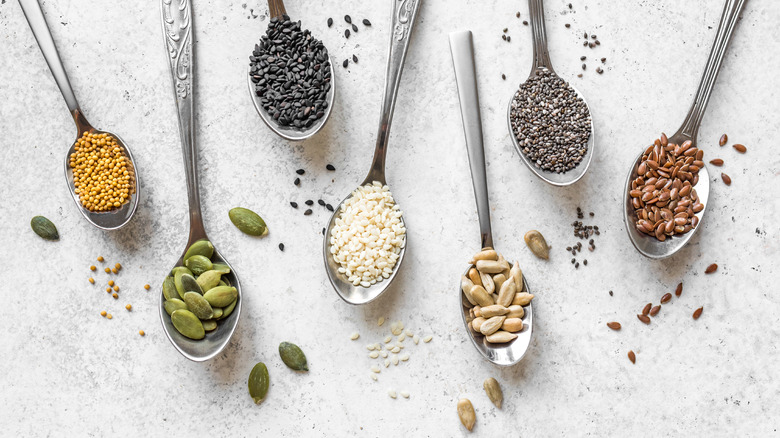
178,31
276,9
403,19
462,49
647,245
542,63
108,220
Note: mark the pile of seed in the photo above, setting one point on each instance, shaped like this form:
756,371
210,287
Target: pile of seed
103,175
368,235
291,72
663,195
551,123
391,350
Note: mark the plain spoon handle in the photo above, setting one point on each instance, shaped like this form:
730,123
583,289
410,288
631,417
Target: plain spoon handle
36,20
541,55
731,10
462,48
404,16
178,31
276,8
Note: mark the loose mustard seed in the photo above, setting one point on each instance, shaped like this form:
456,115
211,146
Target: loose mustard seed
109,316
108,289
111,283
100,258
92,268
116,288
108,270
141,332
114,270
115,295
91,280
102,173
129,307
103,313
118,266
147,287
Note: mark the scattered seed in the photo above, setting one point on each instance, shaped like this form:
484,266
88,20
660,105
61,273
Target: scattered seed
503,76
679,289
408,333
147,287
716,162
603,60
354,59
598,43
103,313
387,362
404,394
91,280
330,22
392,393
644,318
281,247
366,22
380,321
726,179
666,298
307,212
654,311
582,58
129,307
503,37
404,357
697,312
345,63
508,39
116,288
427,339
348,19
395,358
375,369
100,258
647,308
114,270
373,377
370,347
297,181
711,268
525,23
599,70
92,268
388,339
373,354
723,139
346,33
141,332
354,28
584,66
383,353
567,25
631,356
416,339
115,295
740,148
614,325
610,293
108,270
109,316
569,5
354,336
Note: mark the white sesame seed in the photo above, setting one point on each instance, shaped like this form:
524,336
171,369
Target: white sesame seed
404,394
387,363
373,354
354,336
401,337
427,339
370,347
388,339
405,357
416,339
408,333
392,393
375,369
383,353
395,349
374,377
395,359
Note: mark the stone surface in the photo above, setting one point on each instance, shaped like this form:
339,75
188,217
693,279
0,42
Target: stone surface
67,371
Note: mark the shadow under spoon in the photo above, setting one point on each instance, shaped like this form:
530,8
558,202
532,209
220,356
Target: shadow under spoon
178,32
462,48
105,220
403,19
650,246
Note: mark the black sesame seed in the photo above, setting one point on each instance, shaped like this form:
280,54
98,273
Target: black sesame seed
583,66
508,39
506,30
503,37
591,214
585,262
348,19
582,58
525,22
330,22
346,33
610,293
517,15
307,212
366,22
330,167
354,59
345,63
309,202
503,76
300,171
293,204
586,35
598,43
297,181
281,247
567,25
329,207
577,265
321,202
569,5
603,60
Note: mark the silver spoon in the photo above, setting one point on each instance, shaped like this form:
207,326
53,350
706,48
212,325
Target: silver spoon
108,220
403,19
276,9
462,48
647,245
178,31
542,63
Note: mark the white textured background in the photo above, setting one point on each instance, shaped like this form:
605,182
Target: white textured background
64,370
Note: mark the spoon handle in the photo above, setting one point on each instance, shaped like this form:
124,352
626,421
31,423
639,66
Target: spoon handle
37,21
404,16
541,55
462,48
276,8
178,31
731,10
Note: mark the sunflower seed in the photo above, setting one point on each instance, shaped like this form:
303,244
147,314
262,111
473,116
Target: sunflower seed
380,321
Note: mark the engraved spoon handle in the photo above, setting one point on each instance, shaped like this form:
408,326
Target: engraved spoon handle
404,16
178,32
541,54
462,48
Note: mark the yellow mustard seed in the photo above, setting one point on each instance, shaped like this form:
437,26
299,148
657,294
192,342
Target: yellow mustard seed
91,280
102,174
110,282
114,270
92,268
108,270
100,258
108,289
103,313
147,287
116,288
118,266
141,332
129,307
109,316
115,295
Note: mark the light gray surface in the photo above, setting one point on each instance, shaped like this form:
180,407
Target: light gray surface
67,371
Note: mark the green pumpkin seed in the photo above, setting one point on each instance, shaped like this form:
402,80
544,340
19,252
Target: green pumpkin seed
190,284
201,247
198,264
221,268
188,324
178,272
221,296
248,221
198,305
228,310
173,305
218,311
208,280
182,269
258,382
44,228
209,325
293,356
222,282
169,289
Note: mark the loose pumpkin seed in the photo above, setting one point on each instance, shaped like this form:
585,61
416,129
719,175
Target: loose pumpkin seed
258,382
44,228
537,244
229,309
293,356
221,268
188,324
493,391
218,311
248,222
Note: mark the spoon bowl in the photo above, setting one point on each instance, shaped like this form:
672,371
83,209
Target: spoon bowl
104,220
215,341
403,19
557,179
